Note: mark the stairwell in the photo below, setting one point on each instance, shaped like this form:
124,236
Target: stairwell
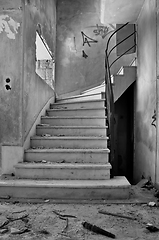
68,158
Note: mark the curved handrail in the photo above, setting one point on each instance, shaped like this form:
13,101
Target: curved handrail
122,55
109,97
114,34
120,42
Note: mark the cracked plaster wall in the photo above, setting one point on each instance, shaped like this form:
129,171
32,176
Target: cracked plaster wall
38,15
10,73
23,93
145,132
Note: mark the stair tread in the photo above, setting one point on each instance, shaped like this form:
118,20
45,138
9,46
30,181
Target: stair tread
61,165
70,137
77,96
116,182
84,101
88,150
74,117
71,109
72,127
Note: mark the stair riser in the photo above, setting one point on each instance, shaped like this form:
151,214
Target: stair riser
63,173
96,90
63,193
87,112
75,122
71,131
81,98
69,143
95,104
68,157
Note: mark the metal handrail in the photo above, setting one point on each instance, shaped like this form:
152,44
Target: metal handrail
109,96
114,34
121,42
122,55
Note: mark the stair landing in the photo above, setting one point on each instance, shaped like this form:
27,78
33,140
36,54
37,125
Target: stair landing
65,190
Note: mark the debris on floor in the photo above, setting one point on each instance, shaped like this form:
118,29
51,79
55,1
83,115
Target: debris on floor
130,219
116,215
152,228
151,204
148,184
98,230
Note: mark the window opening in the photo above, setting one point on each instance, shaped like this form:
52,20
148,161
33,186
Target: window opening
45,64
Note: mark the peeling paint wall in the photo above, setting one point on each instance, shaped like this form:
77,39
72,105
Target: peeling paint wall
38,15
10,72
23,94
145,131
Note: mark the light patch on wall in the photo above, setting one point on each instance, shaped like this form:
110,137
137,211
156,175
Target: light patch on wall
42,49
8,25
65,62
70,43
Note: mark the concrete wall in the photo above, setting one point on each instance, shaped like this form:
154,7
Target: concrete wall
10,73
38,15
80,64
157,100
145,132
24,95
73,70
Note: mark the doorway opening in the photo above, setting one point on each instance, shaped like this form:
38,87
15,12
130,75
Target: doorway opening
124,134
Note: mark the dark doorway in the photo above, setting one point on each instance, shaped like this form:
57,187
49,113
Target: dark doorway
124,140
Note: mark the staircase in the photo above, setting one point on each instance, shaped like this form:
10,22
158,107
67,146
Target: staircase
68,157
120,82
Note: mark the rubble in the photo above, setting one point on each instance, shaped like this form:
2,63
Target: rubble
98,230
152,228
151,204
125,219
117,215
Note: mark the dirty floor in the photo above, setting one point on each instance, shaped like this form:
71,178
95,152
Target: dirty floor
45,220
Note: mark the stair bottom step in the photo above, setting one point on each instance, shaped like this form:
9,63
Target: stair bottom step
116,188
63,171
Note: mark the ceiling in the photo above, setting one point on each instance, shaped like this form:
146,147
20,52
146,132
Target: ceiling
120,11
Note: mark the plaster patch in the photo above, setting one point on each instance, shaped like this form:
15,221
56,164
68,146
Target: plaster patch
65,62
8,25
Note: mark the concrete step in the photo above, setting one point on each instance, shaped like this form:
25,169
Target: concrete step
75,121
66,190
98,89
98,103
63,171
69,142
76,112
68,155
82,97
42,130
